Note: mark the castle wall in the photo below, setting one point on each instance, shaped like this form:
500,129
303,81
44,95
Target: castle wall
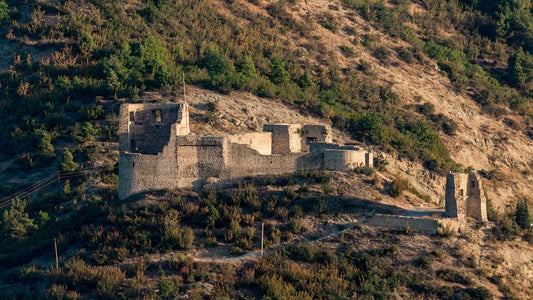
259,141
157,152
285,138
314,133
454,198
144,172
146,128
429,226
243,161
200,157
464,197
340,160
476,204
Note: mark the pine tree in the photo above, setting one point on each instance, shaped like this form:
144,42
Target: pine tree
516,67
15,221
522,216
68,164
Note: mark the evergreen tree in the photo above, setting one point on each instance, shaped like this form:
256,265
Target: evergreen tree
522,216
212,217
45,144
278,71
247,67
15,221
68,164
516,67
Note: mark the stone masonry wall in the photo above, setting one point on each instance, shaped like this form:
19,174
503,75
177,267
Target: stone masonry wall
340,160
243,161
314,133
476,203
464,197
454,198
285,138
429,226
143,172
200,157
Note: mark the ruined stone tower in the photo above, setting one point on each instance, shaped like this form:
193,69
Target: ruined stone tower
464,197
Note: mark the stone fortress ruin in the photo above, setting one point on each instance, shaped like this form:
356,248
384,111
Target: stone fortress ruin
464,197
158,151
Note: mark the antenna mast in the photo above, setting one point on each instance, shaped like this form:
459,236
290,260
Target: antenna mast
184,95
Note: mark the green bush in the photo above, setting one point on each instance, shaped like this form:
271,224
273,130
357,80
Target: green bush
4,11
166,289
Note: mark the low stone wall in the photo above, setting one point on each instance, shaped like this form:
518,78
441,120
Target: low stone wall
429,226
243,161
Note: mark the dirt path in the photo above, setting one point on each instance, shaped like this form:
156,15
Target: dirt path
256,254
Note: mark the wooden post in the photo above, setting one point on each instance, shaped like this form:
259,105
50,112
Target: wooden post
55,247
262,231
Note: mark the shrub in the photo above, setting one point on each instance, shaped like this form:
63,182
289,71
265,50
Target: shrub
108,279
424,261
522,215
398,186
454,276
232,232
212,217
186,238
383,54
166,288
347,51
481,293
4,11
364,170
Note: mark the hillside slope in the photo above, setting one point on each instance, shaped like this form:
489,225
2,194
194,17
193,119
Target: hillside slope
429,86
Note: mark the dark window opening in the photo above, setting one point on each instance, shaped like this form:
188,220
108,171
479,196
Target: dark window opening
133,145
461,192
157,115
310,139
473,184
132,116
133,165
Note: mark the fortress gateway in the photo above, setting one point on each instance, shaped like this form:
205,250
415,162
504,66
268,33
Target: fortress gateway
158,151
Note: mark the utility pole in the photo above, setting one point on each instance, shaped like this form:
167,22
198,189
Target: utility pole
262,231
58,187
55,247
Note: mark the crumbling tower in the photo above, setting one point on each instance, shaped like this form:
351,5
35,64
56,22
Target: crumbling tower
464,197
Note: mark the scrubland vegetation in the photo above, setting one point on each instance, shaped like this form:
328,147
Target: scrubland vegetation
145,247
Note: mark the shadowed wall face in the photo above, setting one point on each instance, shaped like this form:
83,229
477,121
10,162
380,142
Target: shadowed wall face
464,197
150,130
